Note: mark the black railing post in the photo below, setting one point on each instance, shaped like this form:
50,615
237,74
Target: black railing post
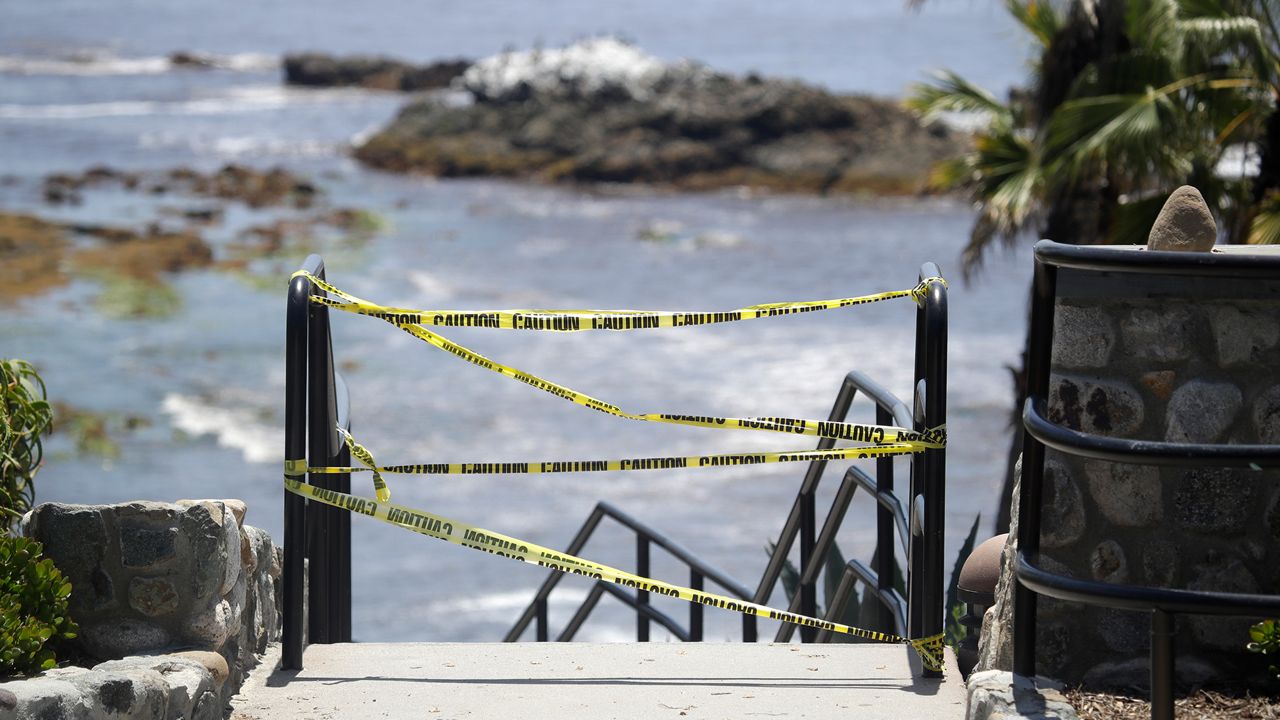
540,629
323,449
340,576
642,596
885,555
808,590
695,608
1040,346
929,487
1162,634
295,449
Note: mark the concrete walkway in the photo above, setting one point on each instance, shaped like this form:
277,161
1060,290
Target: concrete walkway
588,681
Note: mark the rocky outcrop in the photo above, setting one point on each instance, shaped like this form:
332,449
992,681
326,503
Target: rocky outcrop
601,111
376,73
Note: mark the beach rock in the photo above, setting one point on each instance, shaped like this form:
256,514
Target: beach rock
1184,223
1158,334
153,596
1221,574
121,637
1083,337
45,697
579,114
1099,407
143,255
1108,563
32,253
1062,517
376,73
1000,695
1213,501
1160,563
1127,495
215,664
1242,335
124,695
75,538
192,60
1266,416
1201,411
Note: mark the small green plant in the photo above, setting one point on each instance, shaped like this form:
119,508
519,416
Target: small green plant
25,416
33,608
1265,637
957,631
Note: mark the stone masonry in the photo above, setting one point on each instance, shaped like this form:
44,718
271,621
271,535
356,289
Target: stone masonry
174,603
1158,366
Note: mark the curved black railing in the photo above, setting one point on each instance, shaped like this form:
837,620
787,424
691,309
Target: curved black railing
1094,265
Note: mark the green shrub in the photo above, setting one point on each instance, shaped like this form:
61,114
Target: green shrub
24,417
33,608
1266,640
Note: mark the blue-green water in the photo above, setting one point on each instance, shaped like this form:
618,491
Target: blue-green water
209,379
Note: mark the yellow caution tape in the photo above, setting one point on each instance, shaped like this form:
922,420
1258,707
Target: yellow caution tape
477,538
856,432
299,467
886,441
580,320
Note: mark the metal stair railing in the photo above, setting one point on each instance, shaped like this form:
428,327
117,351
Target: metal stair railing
646,537
318,541
1032,579
317,538
920,614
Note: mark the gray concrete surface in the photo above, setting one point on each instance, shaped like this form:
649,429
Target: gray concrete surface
579,680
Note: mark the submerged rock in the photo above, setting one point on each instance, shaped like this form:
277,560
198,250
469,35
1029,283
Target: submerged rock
601,111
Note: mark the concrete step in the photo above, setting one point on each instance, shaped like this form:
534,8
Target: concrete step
583,680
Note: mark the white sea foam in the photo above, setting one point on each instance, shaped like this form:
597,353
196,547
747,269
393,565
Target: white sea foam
233,427
252,98
584,68
503,601
107,64
429,287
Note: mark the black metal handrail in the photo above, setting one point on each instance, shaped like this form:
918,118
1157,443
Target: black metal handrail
317,538
646,536
922,537
1040,433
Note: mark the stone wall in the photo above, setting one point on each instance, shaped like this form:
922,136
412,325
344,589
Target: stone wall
174,603
1151,363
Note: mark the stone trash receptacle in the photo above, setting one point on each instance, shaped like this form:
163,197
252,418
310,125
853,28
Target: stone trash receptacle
1183,357
174,602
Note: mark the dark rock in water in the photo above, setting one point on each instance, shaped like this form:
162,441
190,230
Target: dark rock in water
186,59
690,128
1184,223
378,73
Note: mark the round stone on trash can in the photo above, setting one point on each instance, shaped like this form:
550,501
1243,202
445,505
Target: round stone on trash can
981,570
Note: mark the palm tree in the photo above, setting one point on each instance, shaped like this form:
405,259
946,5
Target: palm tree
1128,100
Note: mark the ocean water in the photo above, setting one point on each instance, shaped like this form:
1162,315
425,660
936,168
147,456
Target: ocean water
85,84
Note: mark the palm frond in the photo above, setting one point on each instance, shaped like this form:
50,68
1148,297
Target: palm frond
1009,187
1037,17
952,93
1265,227
1084,128
952,173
